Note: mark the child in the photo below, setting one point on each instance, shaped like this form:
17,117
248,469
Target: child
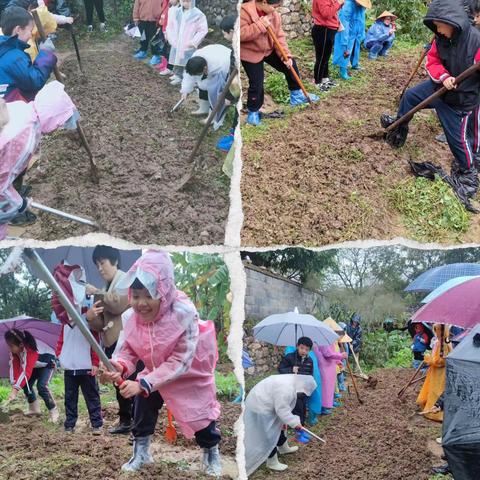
146,15
434,384
419,345
89,4
346,48
256,47
381,35
19,139
207,70
325,26
31,362
455,48
79,361
186,29
268,407
179,352
166,68
299,362
20,79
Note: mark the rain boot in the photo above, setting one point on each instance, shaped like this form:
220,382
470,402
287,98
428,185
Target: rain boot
162,65
54,415
344,73
34,408
203,108
141,455
297,97
274,464
312,418
286,448
253,118
214,468
337,404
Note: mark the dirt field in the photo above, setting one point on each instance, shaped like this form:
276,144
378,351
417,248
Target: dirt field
316,177
32,449
379,440
141,153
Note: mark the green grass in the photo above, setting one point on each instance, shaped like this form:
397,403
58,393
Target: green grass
440,477
227,385
430,210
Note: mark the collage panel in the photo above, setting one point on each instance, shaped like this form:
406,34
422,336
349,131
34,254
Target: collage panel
115,361
333,148
362,363
119,120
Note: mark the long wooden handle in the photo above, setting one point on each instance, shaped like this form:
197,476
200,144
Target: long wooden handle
43,37
283,53
405,118
402,391
354,382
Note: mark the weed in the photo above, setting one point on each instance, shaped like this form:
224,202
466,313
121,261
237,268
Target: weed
431,211
227,385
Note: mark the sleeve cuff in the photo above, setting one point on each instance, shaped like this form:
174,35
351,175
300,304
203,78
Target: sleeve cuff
146,387
444,76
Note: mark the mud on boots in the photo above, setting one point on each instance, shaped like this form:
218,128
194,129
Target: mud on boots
211,462
141,455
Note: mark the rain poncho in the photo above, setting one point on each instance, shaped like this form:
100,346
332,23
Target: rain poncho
352,18
185,31
328,359
379,32
434,384
218,58
268,407
179,350
19,139
315,399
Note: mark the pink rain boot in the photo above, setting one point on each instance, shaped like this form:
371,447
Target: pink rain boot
162,65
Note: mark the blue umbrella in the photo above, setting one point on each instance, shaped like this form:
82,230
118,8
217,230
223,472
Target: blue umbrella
433,278
446,286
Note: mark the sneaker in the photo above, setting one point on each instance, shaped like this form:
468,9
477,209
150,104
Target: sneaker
155,60
97,431
165,72
23,219
140,55
69,429
89,28
103,28
358,68
442,138
120,429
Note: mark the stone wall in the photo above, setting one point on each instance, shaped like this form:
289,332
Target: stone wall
215,10
296,17
264,356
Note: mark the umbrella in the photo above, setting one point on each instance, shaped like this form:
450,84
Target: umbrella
80,256
459,306
446,286
433,278
41,330
284,329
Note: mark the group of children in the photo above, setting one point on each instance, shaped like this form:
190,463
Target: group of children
161,352
310,382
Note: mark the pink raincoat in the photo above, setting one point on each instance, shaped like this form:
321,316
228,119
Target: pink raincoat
179,350
328,359
20,138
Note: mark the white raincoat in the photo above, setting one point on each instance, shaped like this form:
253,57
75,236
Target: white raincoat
186,30
268,407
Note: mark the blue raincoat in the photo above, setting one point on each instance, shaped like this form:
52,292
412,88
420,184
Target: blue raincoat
352,17
378,37
315,400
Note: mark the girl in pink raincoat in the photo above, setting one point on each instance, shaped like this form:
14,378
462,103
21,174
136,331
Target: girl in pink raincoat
186,28
20,134
179,352
328,359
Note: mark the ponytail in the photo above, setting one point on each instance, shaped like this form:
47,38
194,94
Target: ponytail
17,337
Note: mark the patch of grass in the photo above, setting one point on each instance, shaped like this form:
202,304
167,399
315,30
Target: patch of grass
227,385
440,477
431,211
277,88
362,219
354,155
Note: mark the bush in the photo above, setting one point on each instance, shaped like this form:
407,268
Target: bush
227,385
381,349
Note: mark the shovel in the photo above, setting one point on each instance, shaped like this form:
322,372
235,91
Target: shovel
313,435
75,45
176,107
66,215
170,431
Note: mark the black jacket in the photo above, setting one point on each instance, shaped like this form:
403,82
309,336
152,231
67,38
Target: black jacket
305,364
457,53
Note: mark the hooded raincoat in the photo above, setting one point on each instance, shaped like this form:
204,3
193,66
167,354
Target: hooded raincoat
179,350
434,384
185,31
352,18
268,407
328,360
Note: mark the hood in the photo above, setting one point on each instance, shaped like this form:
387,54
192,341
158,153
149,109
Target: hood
356,318
9,43
304,384
447,11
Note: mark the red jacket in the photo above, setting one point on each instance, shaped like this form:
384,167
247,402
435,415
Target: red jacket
21,367
325,13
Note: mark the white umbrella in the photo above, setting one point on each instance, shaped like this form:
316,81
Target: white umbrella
284,329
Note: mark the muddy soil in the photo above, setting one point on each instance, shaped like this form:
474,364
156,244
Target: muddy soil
317,177
32,449
379,440
141,154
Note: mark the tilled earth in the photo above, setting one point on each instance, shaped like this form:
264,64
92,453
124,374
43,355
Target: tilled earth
379,440
32,449
317,177
141,153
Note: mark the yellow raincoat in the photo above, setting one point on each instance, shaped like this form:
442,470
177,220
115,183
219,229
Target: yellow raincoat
49,25
434,384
